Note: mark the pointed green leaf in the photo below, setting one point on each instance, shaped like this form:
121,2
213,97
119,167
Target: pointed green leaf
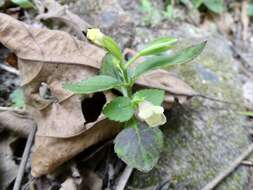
94,84
119,109
154,96
139,147
112,46
156,62
158,46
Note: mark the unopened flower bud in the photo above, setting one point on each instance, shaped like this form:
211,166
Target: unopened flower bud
95,35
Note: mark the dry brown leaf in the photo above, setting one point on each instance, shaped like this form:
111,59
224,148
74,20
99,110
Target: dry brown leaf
49,157
8,167
50,58
20,123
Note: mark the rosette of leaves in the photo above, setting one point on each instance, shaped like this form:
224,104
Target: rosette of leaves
138,145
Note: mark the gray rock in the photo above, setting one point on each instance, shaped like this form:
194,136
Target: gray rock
108,15
202,137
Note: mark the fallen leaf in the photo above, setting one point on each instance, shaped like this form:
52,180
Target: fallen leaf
48,157
8,168
20,123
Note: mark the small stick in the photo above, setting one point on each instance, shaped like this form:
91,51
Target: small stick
124,178
247,163
217,180
11,109
9,69
25,157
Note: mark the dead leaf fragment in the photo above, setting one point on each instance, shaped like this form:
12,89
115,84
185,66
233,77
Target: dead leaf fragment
8,167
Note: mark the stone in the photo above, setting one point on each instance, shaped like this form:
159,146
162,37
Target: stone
108,15
202,137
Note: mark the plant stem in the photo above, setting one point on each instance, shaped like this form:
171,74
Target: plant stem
133,59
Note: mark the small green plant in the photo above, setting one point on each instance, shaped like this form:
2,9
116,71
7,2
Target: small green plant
140,142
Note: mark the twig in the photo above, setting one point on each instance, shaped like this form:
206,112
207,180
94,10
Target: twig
25,157
217,180
214,99
247,163
124,178
12,109
9,69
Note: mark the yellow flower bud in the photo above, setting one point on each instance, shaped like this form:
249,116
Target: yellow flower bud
95,35
151,114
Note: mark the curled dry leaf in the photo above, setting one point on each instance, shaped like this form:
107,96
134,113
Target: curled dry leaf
51,58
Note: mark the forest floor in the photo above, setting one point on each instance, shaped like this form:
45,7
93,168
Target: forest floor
234,22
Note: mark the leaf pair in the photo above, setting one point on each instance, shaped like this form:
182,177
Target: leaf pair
122,109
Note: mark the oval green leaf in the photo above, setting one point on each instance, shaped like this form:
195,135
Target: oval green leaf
154,96
139,147
119,109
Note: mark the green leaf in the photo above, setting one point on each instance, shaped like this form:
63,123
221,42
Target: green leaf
119,109
110,66
249,113
156,62
139,147
158,46
216,6
26,4
94,84
112,46
250,9
17,98
197,3
154,96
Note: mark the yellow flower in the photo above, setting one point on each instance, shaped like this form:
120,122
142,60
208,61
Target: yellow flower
151,114
95,35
